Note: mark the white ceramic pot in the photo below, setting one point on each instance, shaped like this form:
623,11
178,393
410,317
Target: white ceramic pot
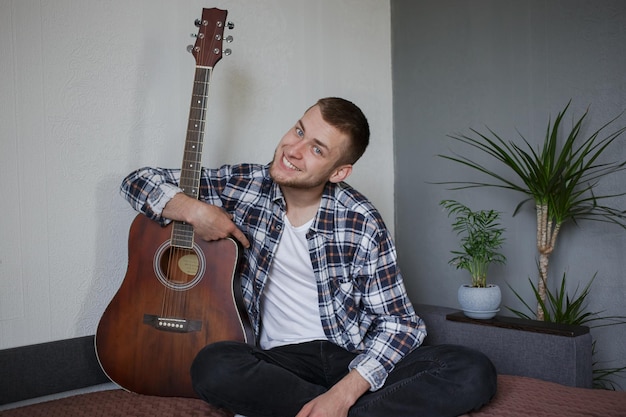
480,303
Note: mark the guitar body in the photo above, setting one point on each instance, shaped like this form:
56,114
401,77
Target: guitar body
171,304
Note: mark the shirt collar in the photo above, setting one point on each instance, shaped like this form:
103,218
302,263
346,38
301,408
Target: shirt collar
324,220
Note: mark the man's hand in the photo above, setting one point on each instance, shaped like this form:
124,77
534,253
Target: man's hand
209,222
337,401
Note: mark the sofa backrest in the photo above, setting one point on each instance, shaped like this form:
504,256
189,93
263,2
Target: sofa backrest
540,350
48,368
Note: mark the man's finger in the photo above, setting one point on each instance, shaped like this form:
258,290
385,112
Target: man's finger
238,234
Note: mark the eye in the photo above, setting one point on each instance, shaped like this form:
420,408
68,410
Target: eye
317,150
299,132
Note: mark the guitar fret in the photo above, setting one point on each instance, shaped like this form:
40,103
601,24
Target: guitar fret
183,230
194,140
192,150
191,156
182,235
191,164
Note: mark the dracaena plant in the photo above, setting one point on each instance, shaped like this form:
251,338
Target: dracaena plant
561,307
481,239
560,178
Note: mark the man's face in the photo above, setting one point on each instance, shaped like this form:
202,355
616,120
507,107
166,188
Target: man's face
308,155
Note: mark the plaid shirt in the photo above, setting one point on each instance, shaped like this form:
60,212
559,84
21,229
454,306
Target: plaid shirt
363,304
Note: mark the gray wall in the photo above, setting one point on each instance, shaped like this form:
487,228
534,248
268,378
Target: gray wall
509,65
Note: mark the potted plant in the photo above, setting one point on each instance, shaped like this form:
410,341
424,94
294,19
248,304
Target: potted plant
481,239
560,178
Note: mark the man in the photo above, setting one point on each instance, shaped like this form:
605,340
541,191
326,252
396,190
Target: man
336,333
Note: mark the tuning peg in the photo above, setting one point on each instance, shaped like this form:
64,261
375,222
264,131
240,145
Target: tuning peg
227,52
228,39
190,48
230,25
198,22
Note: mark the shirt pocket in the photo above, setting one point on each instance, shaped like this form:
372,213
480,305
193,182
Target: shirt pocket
346,303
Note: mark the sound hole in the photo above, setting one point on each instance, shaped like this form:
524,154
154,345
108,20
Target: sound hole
179,268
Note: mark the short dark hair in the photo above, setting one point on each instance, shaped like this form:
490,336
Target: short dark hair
348,118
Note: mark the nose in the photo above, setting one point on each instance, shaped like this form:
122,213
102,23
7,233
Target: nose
296,149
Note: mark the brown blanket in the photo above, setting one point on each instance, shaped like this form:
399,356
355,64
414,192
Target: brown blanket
516,397
525,397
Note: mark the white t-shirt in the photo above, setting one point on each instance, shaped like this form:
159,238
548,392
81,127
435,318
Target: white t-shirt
290,312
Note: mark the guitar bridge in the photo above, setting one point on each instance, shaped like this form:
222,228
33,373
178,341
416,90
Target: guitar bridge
169,324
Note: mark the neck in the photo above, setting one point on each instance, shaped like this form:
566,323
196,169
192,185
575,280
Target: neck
302,204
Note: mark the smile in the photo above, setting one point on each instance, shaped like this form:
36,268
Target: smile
289,164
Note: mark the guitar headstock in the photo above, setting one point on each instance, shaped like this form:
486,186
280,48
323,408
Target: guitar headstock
208,47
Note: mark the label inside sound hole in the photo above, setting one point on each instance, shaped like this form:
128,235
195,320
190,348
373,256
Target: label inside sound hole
189,264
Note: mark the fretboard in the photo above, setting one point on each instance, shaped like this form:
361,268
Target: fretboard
182,233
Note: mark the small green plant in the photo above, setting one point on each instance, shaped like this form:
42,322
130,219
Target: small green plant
562,308
481,238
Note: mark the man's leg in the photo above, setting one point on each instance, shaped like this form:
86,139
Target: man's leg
444,380
277,382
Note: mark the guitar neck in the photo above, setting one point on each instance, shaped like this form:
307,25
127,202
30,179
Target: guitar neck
182,233
192,157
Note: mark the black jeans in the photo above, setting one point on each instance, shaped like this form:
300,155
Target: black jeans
445,380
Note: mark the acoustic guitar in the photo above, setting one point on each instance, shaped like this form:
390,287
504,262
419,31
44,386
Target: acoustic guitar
179,293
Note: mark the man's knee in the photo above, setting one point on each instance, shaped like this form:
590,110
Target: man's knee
216,365
477,373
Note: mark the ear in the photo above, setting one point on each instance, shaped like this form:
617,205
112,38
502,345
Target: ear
341,173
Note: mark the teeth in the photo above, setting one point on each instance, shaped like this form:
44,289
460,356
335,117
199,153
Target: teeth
289,164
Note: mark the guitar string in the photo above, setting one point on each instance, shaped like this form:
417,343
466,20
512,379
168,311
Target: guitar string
174,302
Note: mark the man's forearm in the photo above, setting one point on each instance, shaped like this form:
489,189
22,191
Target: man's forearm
336,402
351,387
178,208
209,222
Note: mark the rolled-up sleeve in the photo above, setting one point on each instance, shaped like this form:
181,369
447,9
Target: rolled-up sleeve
148,190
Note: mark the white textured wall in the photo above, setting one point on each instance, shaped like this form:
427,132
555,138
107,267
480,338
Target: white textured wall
90,90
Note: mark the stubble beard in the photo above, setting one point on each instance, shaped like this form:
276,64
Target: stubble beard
296,183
